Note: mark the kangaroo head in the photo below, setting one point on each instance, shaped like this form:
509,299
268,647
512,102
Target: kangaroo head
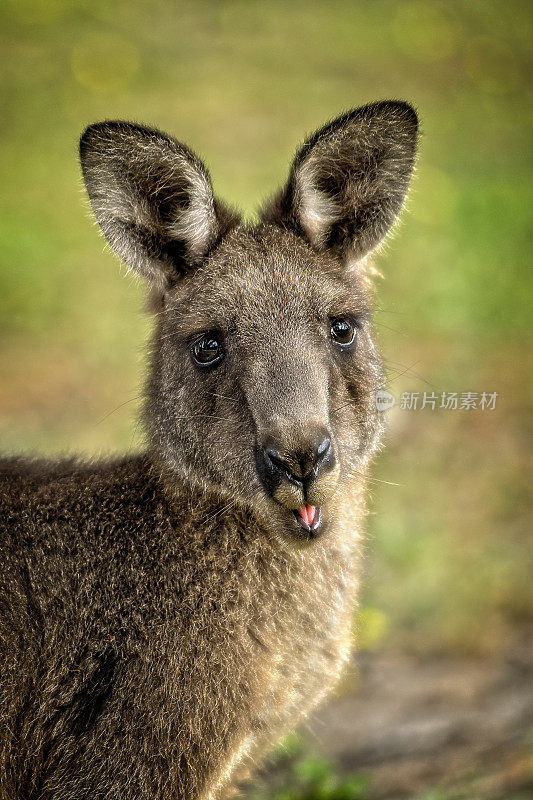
264,370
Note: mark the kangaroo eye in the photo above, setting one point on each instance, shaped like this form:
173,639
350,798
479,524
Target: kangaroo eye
342,332
208,351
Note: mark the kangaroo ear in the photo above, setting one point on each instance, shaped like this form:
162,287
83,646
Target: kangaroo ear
348,182
152,198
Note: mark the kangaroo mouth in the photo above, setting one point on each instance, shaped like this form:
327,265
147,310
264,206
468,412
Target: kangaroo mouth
309,518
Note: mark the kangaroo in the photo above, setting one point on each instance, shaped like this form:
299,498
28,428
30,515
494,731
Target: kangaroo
166,617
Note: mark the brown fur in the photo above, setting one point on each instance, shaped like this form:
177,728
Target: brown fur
165,618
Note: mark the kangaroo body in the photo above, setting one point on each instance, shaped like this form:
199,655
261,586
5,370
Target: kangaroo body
165,618
118,630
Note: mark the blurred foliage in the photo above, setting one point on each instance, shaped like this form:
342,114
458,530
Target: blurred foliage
449,560
372,626
299,773
296,771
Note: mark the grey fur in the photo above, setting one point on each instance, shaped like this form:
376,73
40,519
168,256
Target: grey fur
164,617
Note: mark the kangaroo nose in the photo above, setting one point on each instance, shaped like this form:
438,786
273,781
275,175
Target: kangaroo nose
302,464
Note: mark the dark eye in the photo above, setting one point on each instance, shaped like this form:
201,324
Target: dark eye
343,332
208,351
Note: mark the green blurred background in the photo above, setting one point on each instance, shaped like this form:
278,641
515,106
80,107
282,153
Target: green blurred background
449,558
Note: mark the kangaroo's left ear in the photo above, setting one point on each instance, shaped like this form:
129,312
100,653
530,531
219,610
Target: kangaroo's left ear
348,182
153,199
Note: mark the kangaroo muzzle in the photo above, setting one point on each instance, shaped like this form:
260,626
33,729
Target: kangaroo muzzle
299,471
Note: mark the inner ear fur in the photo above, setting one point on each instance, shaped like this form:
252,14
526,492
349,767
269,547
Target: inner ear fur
152,198
348,182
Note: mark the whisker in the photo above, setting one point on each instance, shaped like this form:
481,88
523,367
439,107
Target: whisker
223,397
207,416
388,328
213,416
380,310
221,511
375,480
125,403
345,405
411,372
387,483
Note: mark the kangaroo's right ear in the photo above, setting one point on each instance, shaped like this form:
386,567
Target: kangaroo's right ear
348,182
152,198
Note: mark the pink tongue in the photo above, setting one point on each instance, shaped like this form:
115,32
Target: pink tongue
307,513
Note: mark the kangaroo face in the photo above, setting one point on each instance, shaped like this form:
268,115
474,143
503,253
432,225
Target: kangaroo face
264,370
266,377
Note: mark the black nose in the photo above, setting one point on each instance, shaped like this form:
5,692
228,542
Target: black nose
313,455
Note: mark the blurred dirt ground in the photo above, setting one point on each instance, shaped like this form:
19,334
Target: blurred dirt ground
405,727
415,726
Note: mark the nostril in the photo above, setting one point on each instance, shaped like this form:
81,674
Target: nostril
274,456
277,467
298,466
322,456
275,462
324,446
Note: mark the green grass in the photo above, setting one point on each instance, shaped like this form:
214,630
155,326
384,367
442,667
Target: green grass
297,772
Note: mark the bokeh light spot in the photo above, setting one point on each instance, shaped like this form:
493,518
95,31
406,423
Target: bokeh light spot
36,11
423,31
371,627
491,65
104,62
